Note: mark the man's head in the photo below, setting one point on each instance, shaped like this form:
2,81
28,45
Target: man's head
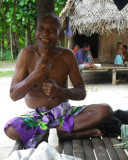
86,46
125,48
48,30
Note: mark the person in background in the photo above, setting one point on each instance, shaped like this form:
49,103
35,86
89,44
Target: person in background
119,55
125,54
84,57
76,48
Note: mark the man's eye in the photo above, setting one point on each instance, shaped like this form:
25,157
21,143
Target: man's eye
53,30
40,28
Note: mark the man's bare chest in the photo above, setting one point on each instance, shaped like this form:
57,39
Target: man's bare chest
58,70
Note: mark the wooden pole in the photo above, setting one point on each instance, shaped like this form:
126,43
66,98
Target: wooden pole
70,42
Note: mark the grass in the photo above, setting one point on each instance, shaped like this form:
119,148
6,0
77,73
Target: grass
6,73
7,64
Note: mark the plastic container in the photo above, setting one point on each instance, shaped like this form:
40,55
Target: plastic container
53,139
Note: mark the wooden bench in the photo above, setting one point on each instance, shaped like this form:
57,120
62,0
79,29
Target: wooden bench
110,69
90,149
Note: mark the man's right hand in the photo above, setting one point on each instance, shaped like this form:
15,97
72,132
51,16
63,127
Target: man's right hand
42,66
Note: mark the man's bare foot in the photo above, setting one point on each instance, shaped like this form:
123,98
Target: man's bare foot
97,133
78,134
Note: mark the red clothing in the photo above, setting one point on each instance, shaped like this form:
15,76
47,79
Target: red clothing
74,50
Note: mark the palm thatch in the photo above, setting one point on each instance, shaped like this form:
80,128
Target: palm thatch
95,16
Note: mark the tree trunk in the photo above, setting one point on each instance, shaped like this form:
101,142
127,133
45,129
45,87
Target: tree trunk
11,41
44,6
28,34
14,35
26,42
14,45
15,5
2,48
2,17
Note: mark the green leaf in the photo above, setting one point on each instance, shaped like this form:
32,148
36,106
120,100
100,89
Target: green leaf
23,19
14,28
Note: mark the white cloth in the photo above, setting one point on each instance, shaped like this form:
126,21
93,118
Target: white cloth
43,152
83,66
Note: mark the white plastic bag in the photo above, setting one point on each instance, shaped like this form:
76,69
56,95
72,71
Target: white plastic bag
43,152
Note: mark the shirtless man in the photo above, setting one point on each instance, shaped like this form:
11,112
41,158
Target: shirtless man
41,78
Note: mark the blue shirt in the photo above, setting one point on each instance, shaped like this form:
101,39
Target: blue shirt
83,56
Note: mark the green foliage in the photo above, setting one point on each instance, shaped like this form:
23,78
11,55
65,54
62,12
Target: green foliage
59,5
7,55
17,18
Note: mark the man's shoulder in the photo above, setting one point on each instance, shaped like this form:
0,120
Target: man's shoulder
66,54
65,51
28,51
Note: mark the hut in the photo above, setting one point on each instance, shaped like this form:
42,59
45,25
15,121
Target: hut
100,22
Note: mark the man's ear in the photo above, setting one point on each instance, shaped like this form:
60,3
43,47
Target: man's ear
61,34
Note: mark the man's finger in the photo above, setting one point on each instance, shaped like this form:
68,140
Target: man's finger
47,92
44,59
45,88
47,84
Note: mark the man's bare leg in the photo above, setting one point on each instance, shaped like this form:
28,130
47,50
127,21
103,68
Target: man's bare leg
85,123
12,133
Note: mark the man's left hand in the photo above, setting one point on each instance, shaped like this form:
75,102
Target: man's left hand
51,88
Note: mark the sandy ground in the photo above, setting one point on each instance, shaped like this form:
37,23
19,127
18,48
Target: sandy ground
116,96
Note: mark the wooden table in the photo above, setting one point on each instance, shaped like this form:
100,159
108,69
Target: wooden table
90,149
112,70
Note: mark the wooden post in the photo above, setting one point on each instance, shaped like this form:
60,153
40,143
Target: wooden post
65,41
70,42
114,76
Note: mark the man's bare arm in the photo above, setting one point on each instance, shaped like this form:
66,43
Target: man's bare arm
21,81
76,93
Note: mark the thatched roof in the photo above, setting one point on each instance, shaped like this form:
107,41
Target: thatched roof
95,16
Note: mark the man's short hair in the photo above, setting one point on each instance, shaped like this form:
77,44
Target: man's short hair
51,14
125,46
86,44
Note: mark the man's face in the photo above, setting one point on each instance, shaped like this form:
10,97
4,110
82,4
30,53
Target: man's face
86,48
48,32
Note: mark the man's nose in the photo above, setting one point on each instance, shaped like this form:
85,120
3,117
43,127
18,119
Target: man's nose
46,32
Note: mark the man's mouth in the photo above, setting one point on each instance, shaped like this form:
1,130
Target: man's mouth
45,40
